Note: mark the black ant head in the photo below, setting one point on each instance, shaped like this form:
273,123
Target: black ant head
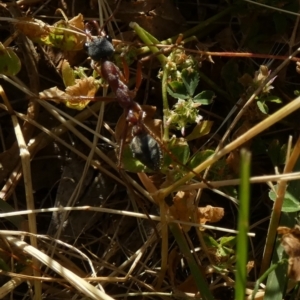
100,47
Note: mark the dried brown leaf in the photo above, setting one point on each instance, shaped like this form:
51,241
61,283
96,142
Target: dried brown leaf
189,285
63,35
77,22
82,87
32,28
183,207
209,214
85,87
290,241
54,94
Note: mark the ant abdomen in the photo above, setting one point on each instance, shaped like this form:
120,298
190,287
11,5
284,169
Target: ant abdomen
146,149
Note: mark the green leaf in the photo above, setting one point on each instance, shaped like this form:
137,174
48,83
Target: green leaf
199,157
190,80
290,203
178,87
224,251
200,130
272,98
68,74
180,151
262,107
205,97
229,241
210,241
3,265
80,72
277,152
62,39
183,96
131,164
10,63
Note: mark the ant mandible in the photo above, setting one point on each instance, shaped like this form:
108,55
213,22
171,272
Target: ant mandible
143,145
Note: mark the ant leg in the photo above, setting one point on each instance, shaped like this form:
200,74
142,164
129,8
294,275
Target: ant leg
125,70
122,140
139,76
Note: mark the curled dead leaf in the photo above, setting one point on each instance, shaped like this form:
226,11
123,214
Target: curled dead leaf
290,241
63,35
183,207
82,87
33,28
85,87
77,22
250,266
209,214
54,94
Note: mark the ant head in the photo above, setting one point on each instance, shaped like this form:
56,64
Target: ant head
100,47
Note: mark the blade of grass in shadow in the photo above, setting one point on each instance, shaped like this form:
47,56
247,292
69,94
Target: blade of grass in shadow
266,274
18,221
243,227
276,282
292,164
199,279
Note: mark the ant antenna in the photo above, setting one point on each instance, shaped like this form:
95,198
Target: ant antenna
100,47
110,17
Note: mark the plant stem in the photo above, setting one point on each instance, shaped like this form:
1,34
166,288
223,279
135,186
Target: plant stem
164,84
149,40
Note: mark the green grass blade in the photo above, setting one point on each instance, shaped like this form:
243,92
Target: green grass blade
243,228
277,281
266,274
200,280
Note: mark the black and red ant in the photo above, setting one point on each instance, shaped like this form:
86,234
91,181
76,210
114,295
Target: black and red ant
143,145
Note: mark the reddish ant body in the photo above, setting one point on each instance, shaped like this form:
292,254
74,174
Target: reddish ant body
143,146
